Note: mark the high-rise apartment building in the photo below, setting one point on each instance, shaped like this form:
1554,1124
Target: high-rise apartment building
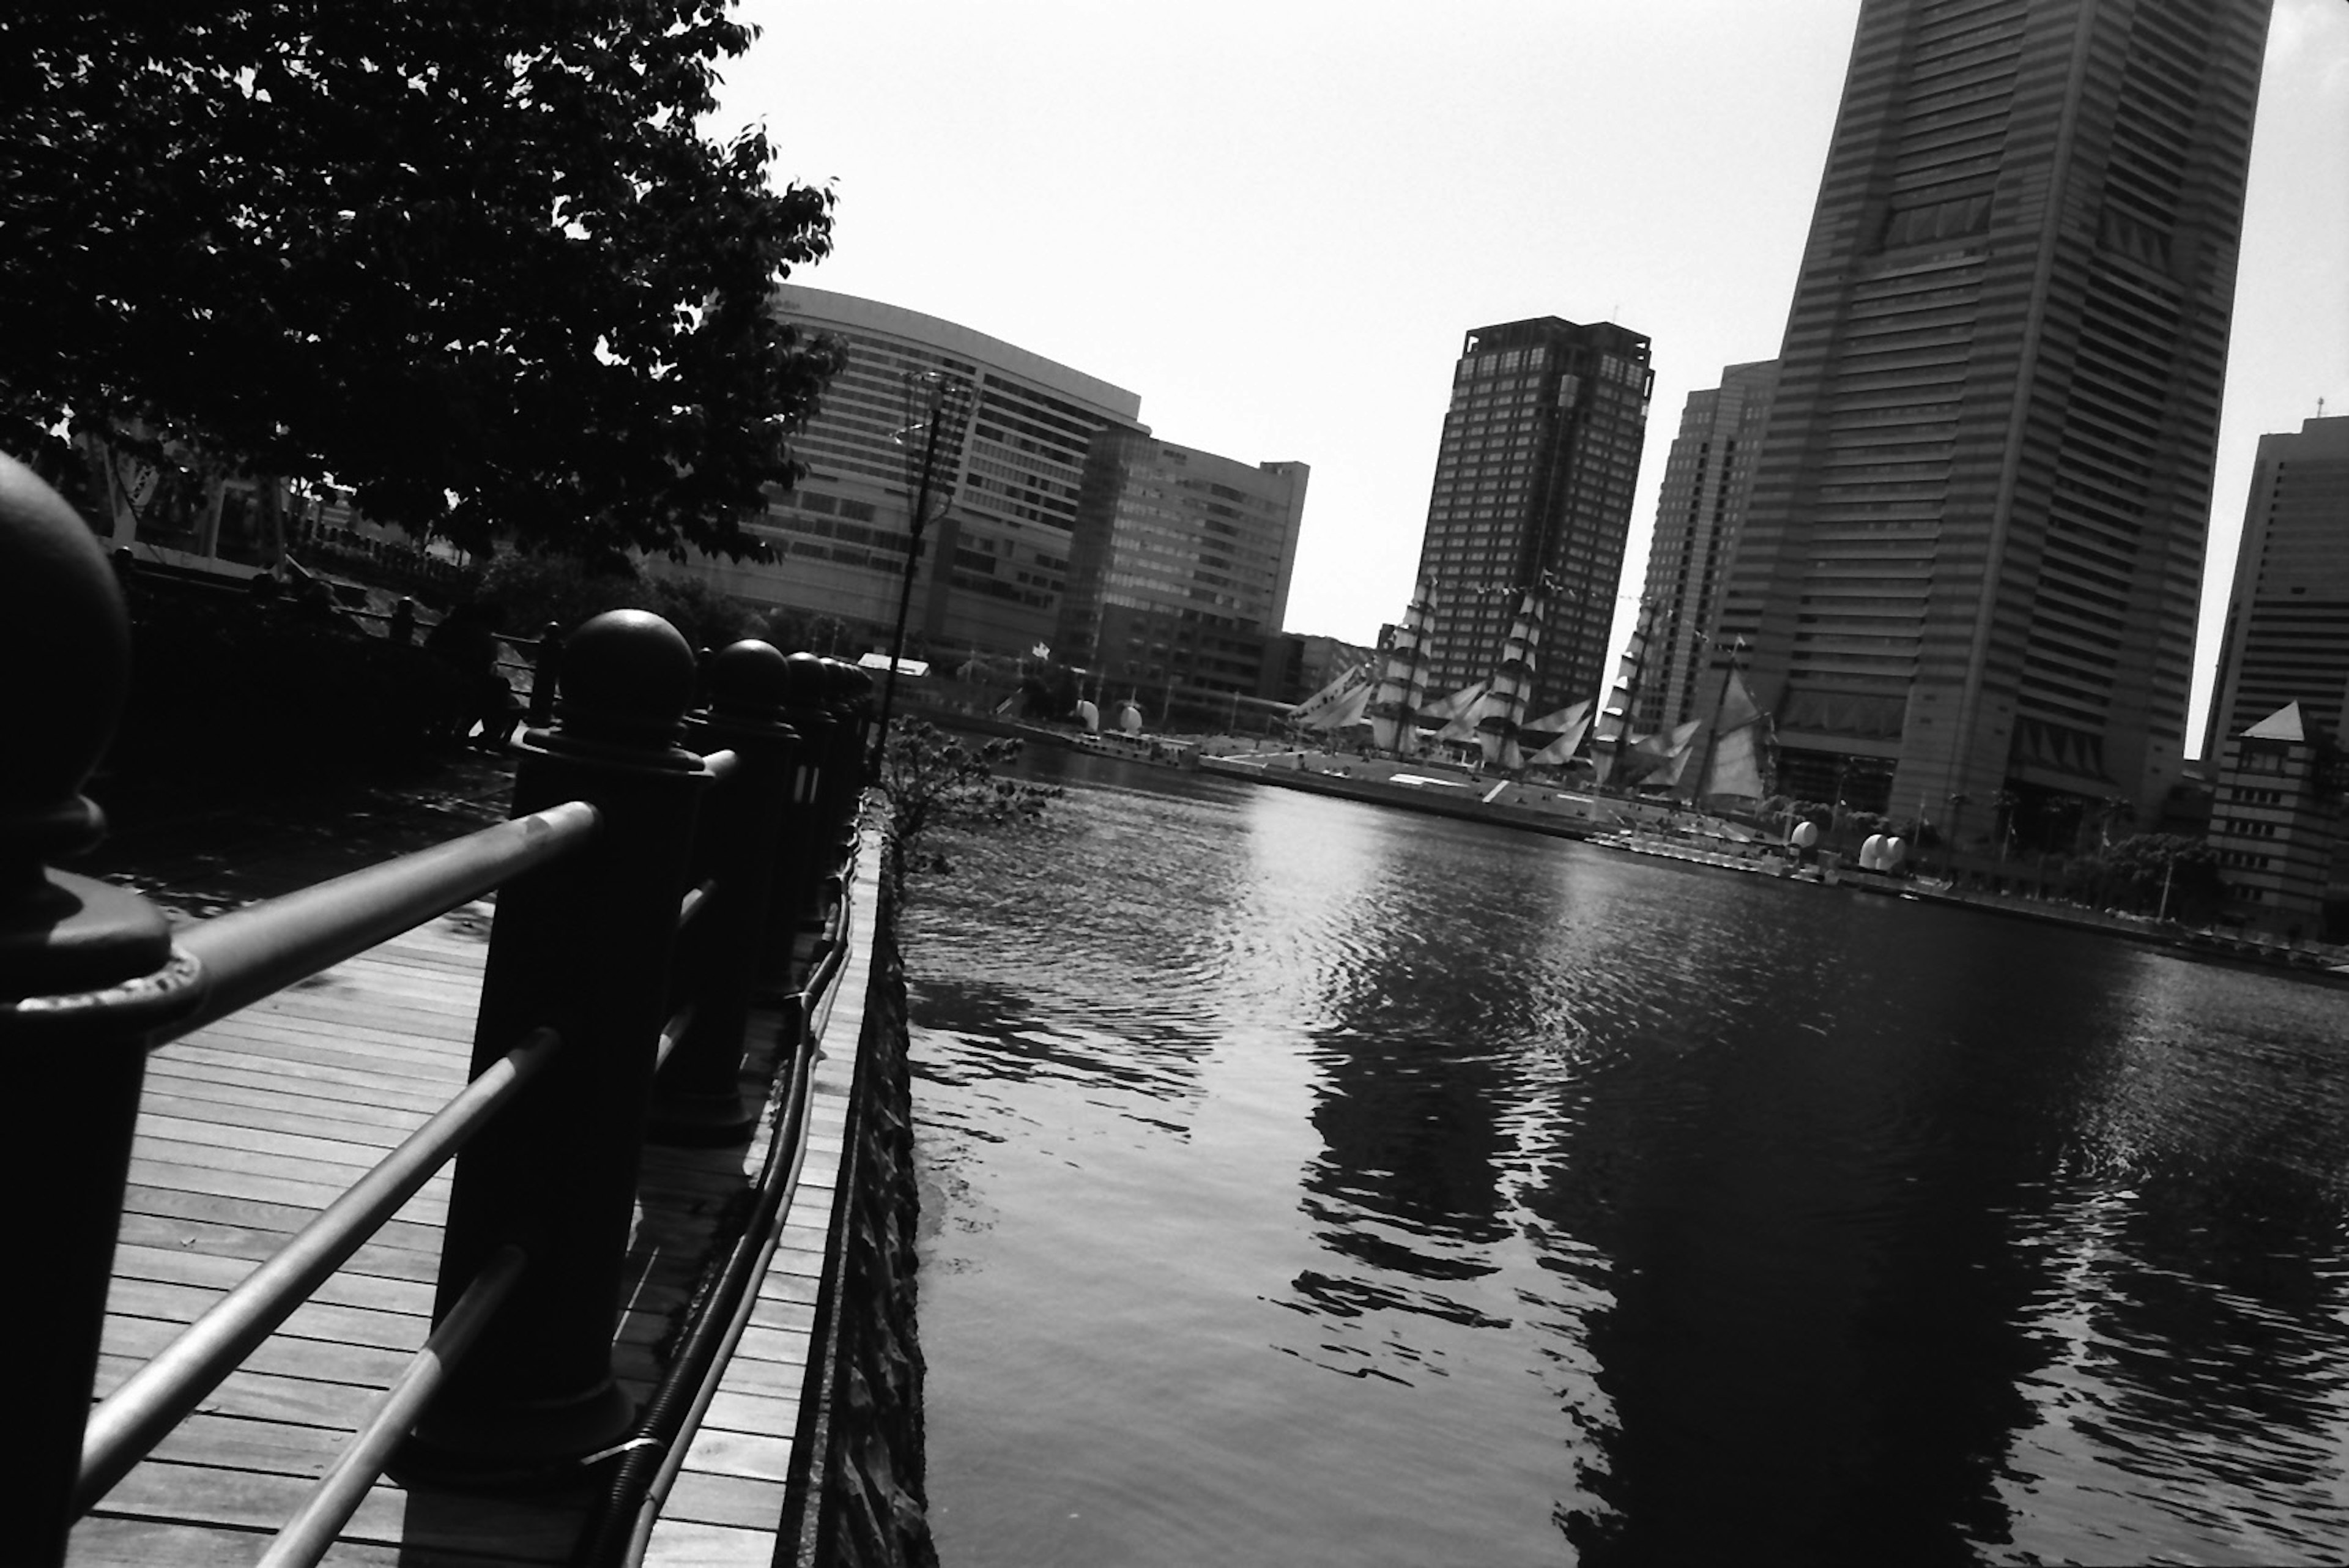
1533,492
1976,537
1699,508
1179,565
2287,631
1008,461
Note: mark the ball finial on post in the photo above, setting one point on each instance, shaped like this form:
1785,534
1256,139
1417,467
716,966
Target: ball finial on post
627,679
66,639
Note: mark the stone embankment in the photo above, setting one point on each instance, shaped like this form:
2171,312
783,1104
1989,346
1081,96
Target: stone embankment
863,1427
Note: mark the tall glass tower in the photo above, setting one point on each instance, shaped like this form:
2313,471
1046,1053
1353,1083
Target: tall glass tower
1971,562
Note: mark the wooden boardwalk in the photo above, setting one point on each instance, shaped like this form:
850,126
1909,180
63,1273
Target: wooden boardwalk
249,1127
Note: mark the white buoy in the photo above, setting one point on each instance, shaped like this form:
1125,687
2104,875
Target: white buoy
1805,835
1871,853
1894,851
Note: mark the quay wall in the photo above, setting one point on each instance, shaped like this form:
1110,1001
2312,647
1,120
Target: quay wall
858,1499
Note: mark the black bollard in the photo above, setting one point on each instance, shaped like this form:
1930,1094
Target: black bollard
88,972
698,1096
582,946
806,841
545,672
848,694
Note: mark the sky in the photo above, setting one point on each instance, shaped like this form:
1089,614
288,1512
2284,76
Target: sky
1274,221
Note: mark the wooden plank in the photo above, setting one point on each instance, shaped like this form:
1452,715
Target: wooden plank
324,1321
776,1344
246,1246
240,1443
366,985
533,1529
346,1036
756,1456
198,1167
751,1413
384,1023
360,1085
268,1396
205,1097
737,1501
385,1064
188,1266
772,1379
798,1317
329,1154
106,1543
170,1205
681,1544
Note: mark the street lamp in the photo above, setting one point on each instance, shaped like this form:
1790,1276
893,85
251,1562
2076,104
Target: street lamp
931,400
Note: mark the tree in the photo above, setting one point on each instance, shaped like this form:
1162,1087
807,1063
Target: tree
476,262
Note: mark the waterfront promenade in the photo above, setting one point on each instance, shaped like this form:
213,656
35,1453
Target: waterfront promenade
475,1205
250,1125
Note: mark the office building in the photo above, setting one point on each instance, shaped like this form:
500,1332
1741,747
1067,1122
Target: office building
2287,631
1700,507
1976,542
1008,465
1179,564
1533,492
2275,823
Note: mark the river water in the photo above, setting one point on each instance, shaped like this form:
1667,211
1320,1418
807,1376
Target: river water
1311,1183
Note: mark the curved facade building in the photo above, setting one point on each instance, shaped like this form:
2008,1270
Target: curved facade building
1007,468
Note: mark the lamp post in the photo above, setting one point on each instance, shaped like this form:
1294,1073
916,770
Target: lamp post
930,397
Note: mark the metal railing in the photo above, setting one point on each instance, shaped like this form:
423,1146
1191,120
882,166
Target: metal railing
657,875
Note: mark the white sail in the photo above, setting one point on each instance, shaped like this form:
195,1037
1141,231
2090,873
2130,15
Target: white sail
1313,712
1444,710
1403,677
1349,710
1461,712
1678,748
1505,701
1735,766
1571,725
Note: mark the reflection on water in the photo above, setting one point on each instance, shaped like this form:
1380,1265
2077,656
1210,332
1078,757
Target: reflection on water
1314,1184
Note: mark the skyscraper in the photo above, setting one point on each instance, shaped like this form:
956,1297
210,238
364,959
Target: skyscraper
1699,508
2287,634
1976,537
1533,491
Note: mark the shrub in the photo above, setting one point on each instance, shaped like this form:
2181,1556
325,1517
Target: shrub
934,780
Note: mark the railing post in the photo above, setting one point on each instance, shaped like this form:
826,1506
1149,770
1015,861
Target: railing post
86,974
545,669
849,697
582,946
807,709
698,1098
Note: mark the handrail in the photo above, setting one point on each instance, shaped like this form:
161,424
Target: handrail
696,898
310,1534
620,1520
140,1413
254,952
671,1032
